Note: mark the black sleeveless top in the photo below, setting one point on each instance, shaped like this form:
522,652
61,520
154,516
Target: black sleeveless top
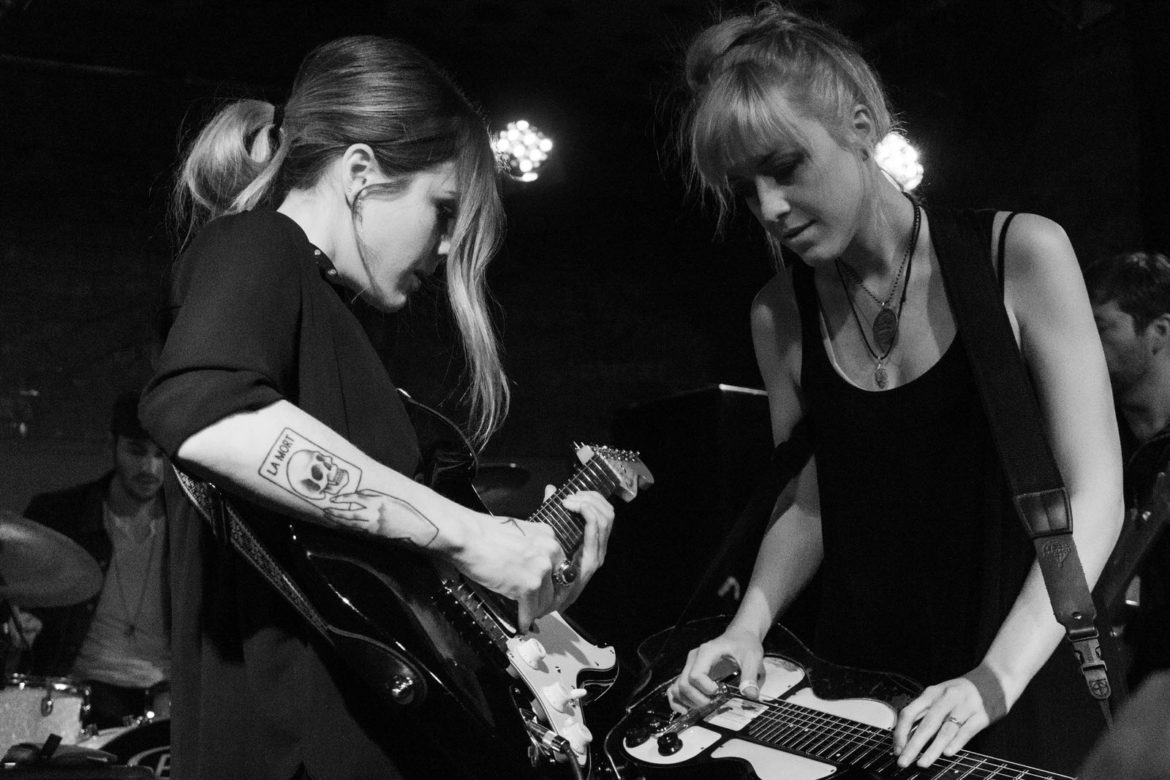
904,491
923,553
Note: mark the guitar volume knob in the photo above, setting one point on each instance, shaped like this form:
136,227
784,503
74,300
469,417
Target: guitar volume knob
578,734
669,744
561,697
402,689
531,652
637,735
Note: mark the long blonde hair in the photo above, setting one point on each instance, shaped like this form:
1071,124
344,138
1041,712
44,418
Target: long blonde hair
387,94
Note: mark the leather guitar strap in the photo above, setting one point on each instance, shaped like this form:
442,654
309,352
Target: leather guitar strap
387,669
229,528
1040,497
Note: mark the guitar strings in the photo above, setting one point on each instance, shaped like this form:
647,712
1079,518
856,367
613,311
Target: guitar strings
772,725
871,738
566,527
560,518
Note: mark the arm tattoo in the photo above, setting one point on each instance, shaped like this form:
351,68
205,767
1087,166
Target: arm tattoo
514,523
306,470
377,517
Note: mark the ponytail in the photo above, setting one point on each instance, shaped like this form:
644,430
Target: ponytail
385,93
228,168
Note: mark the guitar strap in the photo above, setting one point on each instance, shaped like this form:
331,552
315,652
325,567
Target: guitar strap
229,528
1040,497
389,671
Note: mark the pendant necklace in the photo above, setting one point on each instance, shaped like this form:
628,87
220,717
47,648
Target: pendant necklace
132,622
885,325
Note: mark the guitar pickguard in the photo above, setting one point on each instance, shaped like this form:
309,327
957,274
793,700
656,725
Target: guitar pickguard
780,677
566,660
792,732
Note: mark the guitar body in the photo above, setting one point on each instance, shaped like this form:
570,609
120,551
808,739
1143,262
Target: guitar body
440,655
814,720
383,608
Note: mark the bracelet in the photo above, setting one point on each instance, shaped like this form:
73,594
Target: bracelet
985,681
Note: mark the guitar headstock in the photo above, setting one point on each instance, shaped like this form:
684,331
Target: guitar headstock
626,466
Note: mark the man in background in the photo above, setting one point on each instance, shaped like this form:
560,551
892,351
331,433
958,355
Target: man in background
1130,294
117,642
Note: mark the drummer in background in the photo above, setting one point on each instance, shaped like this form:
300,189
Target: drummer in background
118,642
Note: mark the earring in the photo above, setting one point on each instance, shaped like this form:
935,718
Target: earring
351,198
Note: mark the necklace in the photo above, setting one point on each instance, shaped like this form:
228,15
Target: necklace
132,622
885,324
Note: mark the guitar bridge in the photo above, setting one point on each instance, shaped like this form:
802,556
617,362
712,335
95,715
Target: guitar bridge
476,607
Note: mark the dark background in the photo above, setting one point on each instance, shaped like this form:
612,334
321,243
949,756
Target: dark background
613,290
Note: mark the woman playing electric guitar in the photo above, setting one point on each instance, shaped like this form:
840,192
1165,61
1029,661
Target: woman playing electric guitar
371,175
925,570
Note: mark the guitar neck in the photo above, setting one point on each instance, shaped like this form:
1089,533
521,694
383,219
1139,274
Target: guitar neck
494,615
830,738
569,528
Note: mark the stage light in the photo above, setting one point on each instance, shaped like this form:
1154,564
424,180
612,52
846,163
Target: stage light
522,149
899,160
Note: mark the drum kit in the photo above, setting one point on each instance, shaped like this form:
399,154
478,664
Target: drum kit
40,567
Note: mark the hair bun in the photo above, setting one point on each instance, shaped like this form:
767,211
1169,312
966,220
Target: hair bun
709,47
771,25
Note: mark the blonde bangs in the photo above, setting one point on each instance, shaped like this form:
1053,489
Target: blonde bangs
743,116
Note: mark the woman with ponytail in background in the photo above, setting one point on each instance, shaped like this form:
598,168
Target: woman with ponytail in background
373,175
903,508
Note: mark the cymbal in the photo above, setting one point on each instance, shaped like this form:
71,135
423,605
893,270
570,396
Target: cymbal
41,567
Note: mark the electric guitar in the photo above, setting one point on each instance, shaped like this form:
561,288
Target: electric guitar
442,653
813,720
1143,526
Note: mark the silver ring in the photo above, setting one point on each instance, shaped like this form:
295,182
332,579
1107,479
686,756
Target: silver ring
956,721
564,574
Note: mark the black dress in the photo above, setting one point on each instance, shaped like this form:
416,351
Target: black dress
252,320
923,556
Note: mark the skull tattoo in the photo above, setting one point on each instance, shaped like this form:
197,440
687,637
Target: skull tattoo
315,475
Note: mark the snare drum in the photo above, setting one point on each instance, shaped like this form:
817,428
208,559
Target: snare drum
32,708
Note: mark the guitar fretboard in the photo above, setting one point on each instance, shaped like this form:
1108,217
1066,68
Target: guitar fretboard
569,528
498,620
830,738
